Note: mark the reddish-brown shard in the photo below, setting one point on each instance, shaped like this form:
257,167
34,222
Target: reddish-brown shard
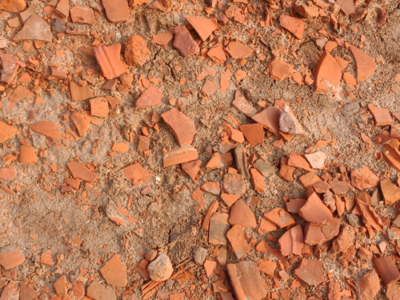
364,179
27,155
317,233
219,226
62,8
381,115
162,39
82,15
109,59
294,25
137,174
387,269
185,154
98,291
370,217
365,64
220,161
115,271
280,217
181,126
234,184
267,267
136,51
243,105
269,118
10,292
257,179
99,107
14,6
368,286
298,161
211,210
184,42
11,257
9,67
237,241
254,133
211,187
279,70
204,27
315,211
81,122
61,286
217,54
79,171
150,97
228,199
7,174
80,93
6,132
347,6
198,197
192,168
36,29
392,155
309,179
339,187
116,10
293,205
393,292
310,271
246,281
46,128
241,214
238,50
390,191
345,239
22,92
327,70
292,241
27,293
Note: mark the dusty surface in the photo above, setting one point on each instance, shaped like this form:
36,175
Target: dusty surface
38,217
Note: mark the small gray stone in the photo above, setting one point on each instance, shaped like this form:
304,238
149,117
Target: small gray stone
288,122
350,109
353,220
199,255
317,159
264,168
58,26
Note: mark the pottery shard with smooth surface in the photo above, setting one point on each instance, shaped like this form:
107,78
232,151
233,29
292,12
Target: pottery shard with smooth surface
238,50
46,128
11,257
80,93
219,226
387,269
36,29
184,42
14,6
181,126
27,155
136,51
327,70
294,25
182,155
109,59
6,132
292,241
161,268
237,241
114,272
98,291
137,175
269,118
364,179
150,97
246,281
116,10
318,233
279,70
241,214
315,211
368,286
204,27
280,217
79,171
365,64
310,271
82,15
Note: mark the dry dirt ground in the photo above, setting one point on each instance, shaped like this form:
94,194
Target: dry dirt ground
38,217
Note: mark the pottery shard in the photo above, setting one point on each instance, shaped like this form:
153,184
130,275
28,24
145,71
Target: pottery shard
62,8
393,292
269,118
370,217
136,51
254,133
364,179
344,240
315,211
298,161
116,10
184,42
6,132
257,179
292,241
234,184
246,281
14,6
220,161
280,217
238,50
185,154
347,6
79,171
98,291
392,155
288,122
211,210
217,54
219,226
310,271
99,107
27,155
61,286
192,168
46,128
81,122
306,11
279,70
204,27
82,15
161,268
368,286
114,272
326,71
316,159
10,292
11,257
387,269
9,67
243,105
109,59
316,234
267,267
162,39
365,64
294,25
181,126
27,293
150,97
35,28
381,115
137,175
390,191
237,241
241,214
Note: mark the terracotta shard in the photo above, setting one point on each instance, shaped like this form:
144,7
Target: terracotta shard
6,132
306,11
184,42
204,27
298,161
316,234
237,241
368,286
109,59
11,257
292,241
269,118
238,50
266,226
228,199
150,97
267,267
370,217
137,175
136,51
381,115
280,217
27,155
117,11
36,29
257,179
14,6
246,281
211,210
98,291
309,179
241,214
80,93
364,179
219,226
211,187
293,205
345,239
315,211
392,155
310,272
162,39
217,54
390,191
387,269
115,271
316,159
288,122
179,156
219,160
198,197
265,168
99,107
243,105
327,72
254,133
79,171
294,25
365,64
234,184
62,8
27,292
81,122
339,187
279,70
82,15
181,126
46,128
192,168
347,6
